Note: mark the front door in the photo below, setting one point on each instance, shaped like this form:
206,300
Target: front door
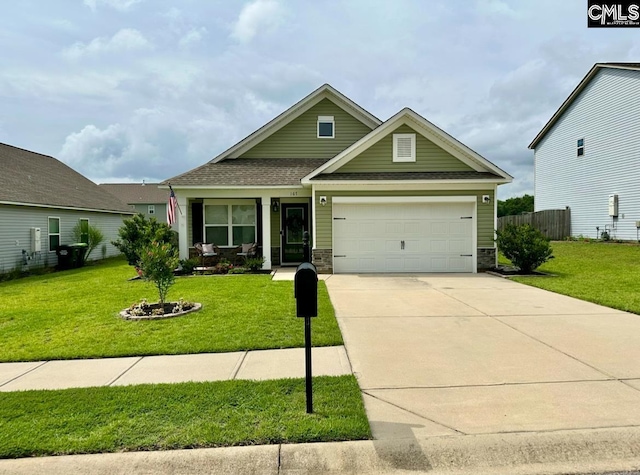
295,221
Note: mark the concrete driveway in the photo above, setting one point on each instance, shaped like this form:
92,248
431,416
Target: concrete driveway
477,354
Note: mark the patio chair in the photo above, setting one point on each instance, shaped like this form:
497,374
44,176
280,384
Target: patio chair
245,251
206,250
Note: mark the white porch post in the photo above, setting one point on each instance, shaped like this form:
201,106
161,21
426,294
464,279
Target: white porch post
266,231
183,243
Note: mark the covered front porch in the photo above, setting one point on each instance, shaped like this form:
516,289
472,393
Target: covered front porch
275,219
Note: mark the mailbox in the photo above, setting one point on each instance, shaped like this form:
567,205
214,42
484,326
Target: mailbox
306,290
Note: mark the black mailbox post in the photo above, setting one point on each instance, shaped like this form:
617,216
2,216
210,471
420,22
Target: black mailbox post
306,294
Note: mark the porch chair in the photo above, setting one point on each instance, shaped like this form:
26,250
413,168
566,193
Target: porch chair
246,251
205,250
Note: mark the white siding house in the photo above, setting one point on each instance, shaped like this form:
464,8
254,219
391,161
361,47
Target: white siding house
38,192
590,150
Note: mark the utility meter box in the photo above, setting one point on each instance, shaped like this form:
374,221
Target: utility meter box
613,205
36,243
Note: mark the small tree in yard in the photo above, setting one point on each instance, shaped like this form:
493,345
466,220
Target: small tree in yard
139,232
157,261
525,246
84,232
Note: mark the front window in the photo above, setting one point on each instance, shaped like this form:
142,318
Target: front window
229,223
54,233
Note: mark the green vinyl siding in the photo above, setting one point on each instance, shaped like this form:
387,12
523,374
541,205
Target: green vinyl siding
485,213
299,139
379,157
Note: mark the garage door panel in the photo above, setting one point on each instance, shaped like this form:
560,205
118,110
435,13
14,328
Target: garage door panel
435,237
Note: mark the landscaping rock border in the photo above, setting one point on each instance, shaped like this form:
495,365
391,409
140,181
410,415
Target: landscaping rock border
125,314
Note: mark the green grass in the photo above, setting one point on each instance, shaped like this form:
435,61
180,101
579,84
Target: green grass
177,416
602,273
74,314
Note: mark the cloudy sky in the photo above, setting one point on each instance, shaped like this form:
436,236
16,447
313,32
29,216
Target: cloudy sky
125,90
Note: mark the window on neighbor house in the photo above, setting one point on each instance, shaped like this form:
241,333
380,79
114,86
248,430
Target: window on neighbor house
580,147
54,233
229,224
326,127
84,231
404,147
151,209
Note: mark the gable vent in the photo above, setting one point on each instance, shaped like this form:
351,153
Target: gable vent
404,147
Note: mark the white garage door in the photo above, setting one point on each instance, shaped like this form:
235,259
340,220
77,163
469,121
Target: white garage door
409,237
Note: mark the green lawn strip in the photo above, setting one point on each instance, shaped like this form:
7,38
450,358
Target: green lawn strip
178,416
74,314
602,273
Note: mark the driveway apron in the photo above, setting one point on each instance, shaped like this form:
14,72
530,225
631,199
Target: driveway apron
477,354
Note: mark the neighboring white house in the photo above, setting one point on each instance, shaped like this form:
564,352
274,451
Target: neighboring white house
41,200
587,157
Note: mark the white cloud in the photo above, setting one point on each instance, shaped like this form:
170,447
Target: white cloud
256,16
192,37
497,7
127,39
121,5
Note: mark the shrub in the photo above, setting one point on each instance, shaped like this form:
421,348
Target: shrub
91,234
139,232
526,247
188,265
157,262
254,263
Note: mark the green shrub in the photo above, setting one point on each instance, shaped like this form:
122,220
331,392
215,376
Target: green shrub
188,265
157,262
526,247
254,263
139,232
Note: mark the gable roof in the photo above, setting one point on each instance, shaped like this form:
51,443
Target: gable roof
579,88
438,136
137,193
29,178
248,172
323,92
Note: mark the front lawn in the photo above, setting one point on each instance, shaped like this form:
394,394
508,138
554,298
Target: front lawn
603,273
179,416
74,314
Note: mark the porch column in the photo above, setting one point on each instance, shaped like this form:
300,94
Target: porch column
266,231
183,235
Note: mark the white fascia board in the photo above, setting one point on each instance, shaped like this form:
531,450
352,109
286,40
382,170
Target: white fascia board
299,108
403,199
70,208
248,187
427,129
424,186
246,193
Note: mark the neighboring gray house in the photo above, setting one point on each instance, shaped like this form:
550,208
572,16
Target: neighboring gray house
41,200
143,198
587,156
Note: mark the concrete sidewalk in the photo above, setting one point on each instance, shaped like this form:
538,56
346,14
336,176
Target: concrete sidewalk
257,365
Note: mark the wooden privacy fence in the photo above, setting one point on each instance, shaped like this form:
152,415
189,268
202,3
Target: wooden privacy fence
553,223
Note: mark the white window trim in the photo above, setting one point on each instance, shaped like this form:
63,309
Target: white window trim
324,119
151,209
396,158
230,225
49,233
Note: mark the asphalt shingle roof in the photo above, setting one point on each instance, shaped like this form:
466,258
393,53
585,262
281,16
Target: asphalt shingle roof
250,172
137,193
31,178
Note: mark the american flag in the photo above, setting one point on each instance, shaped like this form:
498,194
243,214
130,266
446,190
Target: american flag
171,208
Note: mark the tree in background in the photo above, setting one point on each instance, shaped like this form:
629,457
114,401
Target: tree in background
90,235
138,233
516,205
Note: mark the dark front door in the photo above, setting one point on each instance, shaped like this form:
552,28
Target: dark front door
295,221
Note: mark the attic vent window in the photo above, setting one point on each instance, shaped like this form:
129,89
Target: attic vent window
404,147
580,147
326,127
